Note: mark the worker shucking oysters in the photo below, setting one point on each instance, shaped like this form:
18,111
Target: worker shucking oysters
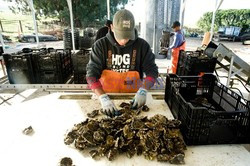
118,63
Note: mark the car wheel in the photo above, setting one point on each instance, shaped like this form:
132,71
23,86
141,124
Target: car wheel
216,38
234,39
246,41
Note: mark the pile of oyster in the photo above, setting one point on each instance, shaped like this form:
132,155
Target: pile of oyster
154,138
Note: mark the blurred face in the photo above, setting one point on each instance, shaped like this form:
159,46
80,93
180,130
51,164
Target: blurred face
121,42
176,29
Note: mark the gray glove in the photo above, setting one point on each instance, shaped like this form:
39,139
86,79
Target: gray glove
108,107
139,99
164,49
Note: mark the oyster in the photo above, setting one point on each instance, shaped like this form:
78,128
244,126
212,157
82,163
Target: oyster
28,131
93,114
145,108
99,135
125,105
163,157
111,154
66,161
128,132
139,149
131,153
93,153
71,136
177,159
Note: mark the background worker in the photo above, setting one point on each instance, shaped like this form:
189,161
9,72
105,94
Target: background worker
178,44
104,30
118,62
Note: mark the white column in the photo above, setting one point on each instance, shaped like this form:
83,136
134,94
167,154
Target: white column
182,11
154,23
108,9
71,23
1,61
217,6
30,2
1,40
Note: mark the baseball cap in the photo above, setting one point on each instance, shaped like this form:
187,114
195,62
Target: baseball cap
176,24
124,25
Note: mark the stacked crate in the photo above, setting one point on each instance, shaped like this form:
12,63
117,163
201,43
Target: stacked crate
67,39
54,67
210,112
80,60
20,67
88,38
194,63
39,66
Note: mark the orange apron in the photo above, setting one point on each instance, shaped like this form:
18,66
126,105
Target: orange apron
175,56
116,82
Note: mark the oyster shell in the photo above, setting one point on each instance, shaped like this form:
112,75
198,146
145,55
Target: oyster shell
66,161
93,153
93,114
28,131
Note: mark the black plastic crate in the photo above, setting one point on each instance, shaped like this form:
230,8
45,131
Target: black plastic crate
80,60
53,59
195,62
52,77
86,42
209,50
210,112
55,66
20,66
80,78
67,39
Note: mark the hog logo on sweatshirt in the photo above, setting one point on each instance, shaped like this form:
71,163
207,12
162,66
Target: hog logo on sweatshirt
120,63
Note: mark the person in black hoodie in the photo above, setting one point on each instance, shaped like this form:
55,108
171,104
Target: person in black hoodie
118,63
104,30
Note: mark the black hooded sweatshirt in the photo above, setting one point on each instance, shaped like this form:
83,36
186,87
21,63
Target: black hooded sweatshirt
121,58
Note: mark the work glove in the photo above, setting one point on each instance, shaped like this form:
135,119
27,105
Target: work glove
139,99
108,107
164,49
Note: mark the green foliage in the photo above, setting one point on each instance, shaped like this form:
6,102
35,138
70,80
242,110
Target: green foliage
231,17
85,12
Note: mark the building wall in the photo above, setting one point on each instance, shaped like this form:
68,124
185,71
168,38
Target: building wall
159,15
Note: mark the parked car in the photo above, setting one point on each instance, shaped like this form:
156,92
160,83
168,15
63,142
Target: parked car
6,39
233,33
228,33
194,34
32,38
245,37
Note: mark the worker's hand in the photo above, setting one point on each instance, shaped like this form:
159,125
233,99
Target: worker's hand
108,107
139,99
164,49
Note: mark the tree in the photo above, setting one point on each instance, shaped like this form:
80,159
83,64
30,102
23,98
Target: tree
231,17
85,12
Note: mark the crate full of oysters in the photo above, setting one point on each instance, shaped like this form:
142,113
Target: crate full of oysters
156,138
